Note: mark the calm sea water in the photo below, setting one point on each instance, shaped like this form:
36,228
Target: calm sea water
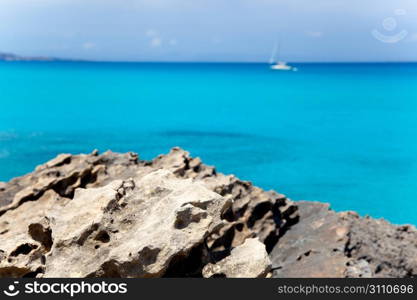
339,133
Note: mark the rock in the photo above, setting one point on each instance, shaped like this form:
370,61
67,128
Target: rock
254,212
249,260
358,269
248,212
314,246
60,160
114,215
26,237
132,228
64,174
328,244
390,251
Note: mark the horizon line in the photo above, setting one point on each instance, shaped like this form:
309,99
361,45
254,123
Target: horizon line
51,58
56,59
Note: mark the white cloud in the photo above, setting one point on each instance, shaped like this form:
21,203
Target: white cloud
88,45
315,34
156,42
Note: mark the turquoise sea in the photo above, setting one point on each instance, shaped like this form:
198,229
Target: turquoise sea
339,133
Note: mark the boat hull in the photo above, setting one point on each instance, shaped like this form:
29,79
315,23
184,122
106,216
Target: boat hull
281,67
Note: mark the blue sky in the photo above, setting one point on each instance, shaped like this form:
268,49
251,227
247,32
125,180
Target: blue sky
211,30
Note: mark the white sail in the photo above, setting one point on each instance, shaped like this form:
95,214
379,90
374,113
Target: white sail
274,54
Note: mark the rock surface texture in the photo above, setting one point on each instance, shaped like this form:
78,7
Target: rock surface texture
247,260
114,215
328,244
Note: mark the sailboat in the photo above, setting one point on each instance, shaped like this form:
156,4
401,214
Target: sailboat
279,65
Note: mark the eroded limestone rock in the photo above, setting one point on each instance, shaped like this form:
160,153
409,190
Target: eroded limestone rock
25,236
66,173
254,212
84,224
249,260
132,228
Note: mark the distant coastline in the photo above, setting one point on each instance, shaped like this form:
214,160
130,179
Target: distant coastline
14,57
7,56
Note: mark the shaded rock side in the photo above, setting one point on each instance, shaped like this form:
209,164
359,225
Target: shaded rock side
328,244
389,251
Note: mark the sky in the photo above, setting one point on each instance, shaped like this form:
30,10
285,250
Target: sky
211,30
